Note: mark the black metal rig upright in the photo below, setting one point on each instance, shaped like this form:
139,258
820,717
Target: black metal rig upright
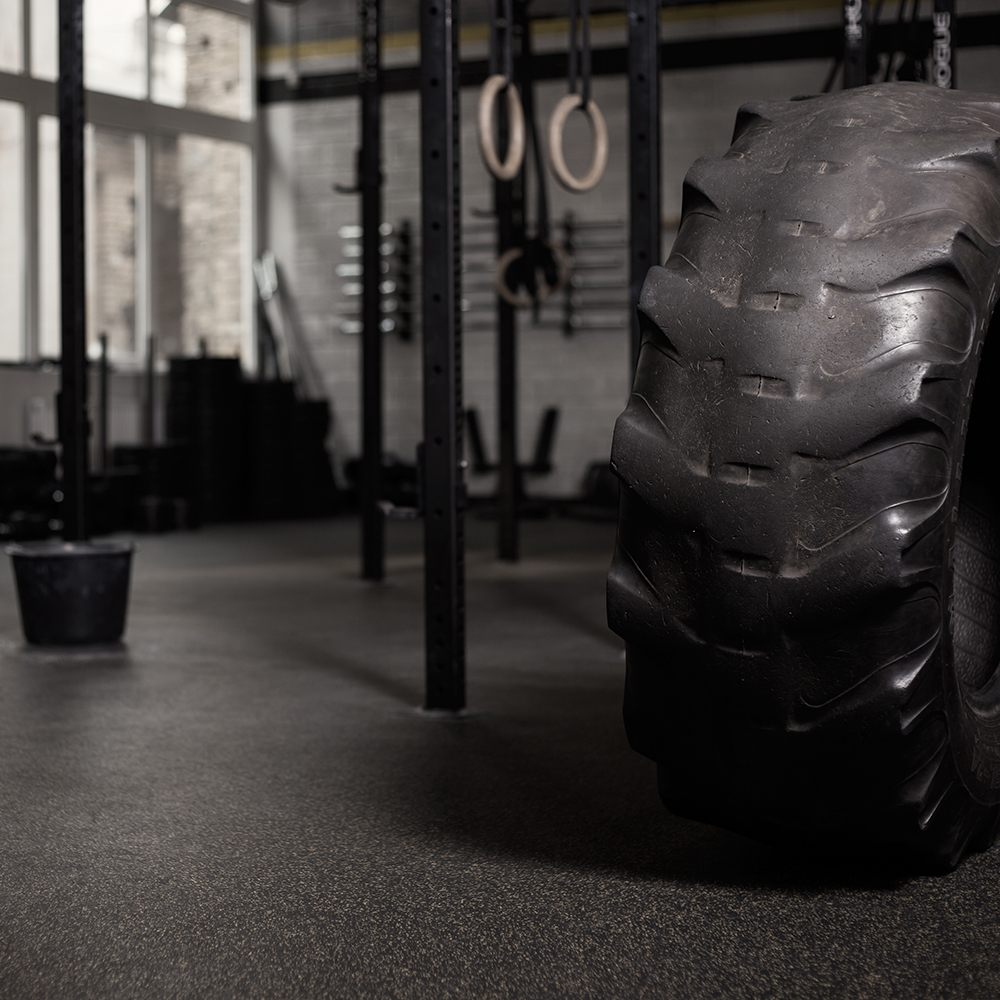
73,423
370,183
510,208
644,150
444,486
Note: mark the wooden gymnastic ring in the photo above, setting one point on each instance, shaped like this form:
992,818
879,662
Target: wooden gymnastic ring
507,170
525,301
599,131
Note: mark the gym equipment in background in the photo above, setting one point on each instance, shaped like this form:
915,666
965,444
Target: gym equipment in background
529,268
395,285
594,300
579,76
501,82
205,418
912,49
73,591
400,485
807,574
164,495
29,493
540,465
444,490
156,484
287,417
288,345
509,168
244,448
368,183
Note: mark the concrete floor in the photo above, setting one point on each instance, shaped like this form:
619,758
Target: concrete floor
243,803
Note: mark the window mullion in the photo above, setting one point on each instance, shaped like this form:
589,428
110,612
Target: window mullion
144,211
26,37
143,241
149,54
30,223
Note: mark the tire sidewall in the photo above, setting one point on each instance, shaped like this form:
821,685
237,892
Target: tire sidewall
973,716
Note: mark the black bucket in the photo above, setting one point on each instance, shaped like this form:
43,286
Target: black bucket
72,593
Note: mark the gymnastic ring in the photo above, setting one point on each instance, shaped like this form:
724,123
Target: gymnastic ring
507,170
599,131
525,301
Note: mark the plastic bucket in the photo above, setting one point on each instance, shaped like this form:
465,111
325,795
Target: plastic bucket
72,593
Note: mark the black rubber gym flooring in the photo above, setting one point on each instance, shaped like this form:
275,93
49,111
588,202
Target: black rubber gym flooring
242,802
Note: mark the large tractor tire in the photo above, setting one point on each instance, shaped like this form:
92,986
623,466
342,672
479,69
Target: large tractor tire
807,573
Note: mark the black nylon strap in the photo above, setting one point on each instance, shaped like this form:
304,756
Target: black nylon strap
501,47
574,59
579,53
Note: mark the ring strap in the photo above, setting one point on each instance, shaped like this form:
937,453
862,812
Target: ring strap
579,53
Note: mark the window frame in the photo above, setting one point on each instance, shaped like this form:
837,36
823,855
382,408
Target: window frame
147,119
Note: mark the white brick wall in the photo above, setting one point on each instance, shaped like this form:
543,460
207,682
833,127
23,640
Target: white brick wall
586,375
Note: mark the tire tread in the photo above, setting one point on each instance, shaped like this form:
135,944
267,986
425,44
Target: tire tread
783,475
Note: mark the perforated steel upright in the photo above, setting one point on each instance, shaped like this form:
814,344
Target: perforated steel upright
370,183
510,212
444,487
73,423
644,149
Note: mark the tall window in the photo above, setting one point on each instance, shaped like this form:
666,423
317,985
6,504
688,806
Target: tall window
12,220
170,149
113,184
200,192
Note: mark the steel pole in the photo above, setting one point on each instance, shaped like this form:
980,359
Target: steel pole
644,151
510,210
73,422
444,487
102,407
510,232
370,182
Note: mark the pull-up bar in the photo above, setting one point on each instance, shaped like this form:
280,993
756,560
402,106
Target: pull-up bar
687,53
